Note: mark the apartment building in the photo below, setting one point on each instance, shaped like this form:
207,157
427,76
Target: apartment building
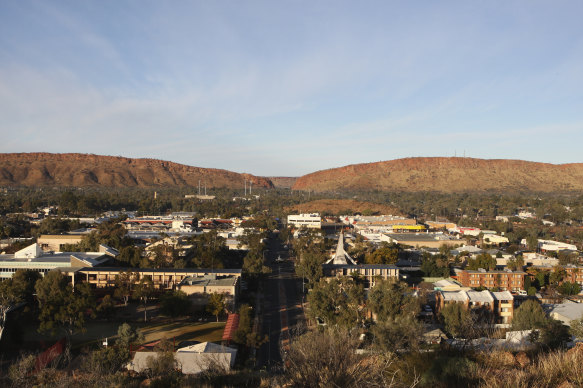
505,280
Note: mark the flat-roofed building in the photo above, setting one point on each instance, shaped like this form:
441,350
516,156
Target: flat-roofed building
312,220
429,240
56,242
198,288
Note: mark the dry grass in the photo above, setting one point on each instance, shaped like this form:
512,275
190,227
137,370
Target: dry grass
560,368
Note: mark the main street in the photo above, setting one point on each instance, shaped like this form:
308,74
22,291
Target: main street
281,308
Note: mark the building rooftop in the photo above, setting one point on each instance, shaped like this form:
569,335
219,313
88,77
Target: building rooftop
480,296
502,295
457,296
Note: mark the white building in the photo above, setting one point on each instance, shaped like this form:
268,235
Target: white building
312,220
549,245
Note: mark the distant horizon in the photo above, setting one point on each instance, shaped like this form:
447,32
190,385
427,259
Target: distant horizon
277,88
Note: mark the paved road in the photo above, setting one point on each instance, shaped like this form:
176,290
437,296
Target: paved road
281,307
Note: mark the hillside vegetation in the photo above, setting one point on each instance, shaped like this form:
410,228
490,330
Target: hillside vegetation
82,170
447,175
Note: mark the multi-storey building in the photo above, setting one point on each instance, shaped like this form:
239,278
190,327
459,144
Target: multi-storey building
497,305
504,280
312,220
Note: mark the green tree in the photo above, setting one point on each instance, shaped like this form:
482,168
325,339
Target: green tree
483,260
175,304
529,315
516,264
388,299
435,266
128,335
326,300
244,334
310,267
60,306
386,254
568,288
124,285
400,332
456,319
557,276
107,307
144,291
216,304
576,328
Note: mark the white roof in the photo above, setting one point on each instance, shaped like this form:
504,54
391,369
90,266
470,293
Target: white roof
468,248
456,296
445,283
566,312
502,295
207,347
480,296
191,362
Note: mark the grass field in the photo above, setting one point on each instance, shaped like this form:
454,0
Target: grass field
96,331
185,331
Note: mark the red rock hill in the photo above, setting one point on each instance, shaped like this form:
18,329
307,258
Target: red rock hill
447,175
80,170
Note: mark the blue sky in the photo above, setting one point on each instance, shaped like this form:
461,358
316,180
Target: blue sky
290,87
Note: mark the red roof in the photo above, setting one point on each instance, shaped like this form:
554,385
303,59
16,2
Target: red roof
231,326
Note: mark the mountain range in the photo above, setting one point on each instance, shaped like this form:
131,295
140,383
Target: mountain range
439,174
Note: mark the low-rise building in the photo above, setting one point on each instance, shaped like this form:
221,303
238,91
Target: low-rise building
565,312
163,278
56,242
191,359
429,240
200,287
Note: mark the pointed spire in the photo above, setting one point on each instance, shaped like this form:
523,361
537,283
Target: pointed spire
340,257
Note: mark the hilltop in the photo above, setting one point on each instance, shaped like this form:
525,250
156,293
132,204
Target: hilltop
447,175
82,170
